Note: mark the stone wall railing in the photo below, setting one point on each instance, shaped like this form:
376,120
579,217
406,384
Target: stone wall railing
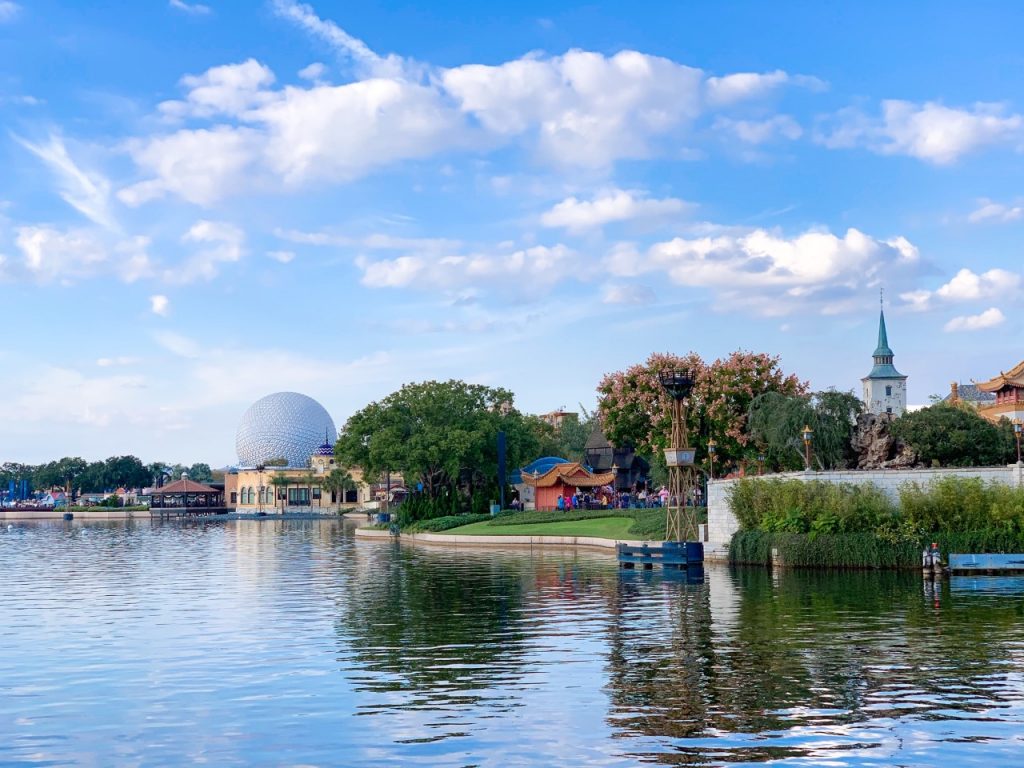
722,524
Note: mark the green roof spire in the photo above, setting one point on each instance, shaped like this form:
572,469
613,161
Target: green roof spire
883,355
882,350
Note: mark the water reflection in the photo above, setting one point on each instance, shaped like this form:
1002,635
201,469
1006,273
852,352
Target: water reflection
291,642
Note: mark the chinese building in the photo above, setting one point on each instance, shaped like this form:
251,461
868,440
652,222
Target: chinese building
1008,388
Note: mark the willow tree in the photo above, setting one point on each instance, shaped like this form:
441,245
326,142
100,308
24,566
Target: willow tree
776,422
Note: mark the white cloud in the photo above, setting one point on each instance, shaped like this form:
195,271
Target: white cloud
159,304
221,243
229,89
523,271
760,131
967,285
200,166
583,108
580,109
615,205
930,131
621,293
283,257
88,192
8,10
988,210
177,344
109,362
741,86
314,71
772,273
193,9
990,318
353,49
50,254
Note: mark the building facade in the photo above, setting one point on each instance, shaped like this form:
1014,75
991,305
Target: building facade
1008,389
885,388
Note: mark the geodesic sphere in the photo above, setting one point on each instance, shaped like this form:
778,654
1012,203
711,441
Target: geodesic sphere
284,425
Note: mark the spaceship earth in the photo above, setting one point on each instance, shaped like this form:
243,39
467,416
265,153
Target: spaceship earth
284,425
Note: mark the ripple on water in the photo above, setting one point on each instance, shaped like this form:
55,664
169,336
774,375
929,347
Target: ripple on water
249,643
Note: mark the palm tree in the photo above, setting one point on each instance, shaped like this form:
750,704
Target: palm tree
338,481
280,481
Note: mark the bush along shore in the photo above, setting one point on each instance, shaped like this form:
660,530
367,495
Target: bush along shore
836,525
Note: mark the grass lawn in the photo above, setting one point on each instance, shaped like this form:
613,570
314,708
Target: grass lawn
599,527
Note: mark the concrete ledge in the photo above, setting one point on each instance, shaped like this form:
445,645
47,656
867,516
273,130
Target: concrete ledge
564,542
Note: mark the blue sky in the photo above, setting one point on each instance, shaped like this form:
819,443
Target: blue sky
204,203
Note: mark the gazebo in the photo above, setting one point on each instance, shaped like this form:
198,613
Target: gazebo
564,480
187,495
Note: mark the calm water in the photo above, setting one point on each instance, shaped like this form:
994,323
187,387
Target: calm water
270,643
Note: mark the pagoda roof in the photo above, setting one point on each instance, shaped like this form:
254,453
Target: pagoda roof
569,473
1011,378
185,486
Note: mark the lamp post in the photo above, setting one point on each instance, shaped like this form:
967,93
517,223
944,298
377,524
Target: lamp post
760,464
263,490
1018,427
807,435
682,478
712,447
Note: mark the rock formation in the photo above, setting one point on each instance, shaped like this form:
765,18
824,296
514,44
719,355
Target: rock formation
875,446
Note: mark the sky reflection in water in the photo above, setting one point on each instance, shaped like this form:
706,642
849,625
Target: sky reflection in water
270,643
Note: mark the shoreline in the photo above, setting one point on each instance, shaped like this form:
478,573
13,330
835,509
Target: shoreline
711,553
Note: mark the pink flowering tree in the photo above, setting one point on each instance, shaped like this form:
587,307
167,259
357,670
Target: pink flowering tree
634,408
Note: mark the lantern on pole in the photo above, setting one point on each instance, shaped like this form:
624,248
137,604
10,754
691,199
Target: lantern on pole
807,435
681,521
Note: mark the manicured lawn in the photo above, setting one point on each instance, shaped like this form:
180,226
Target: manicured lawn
600,527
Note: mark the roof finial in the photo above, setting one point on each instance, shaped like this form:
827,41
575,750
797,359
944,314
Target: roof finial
881,297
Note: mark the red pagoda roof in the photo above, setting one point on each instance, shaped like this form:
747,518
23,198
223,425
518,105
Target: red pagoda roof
1011,378
570,473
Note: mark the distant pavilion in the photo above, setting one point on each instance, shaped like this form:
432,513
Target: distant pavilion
564,480
187,494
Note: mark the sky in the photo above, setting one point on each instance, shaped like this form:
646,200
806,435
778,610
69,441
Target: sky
201,204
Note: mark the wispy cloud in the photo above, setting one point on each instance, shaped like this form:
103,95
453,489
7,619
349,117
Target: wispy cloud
990,318
192,9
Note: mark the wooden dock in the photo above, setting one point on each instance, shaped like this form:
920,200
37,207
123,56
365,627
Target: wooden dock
986,563
667,554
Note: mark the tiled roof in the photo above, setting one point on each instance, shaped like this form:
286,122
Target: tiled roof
1013,377
185,486
570,473
969,393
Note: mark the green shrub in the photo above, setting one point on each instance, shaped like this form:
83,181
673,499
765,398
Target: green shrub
438,524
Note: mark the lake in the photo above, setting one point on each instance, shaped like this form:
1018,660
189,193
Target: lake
293,643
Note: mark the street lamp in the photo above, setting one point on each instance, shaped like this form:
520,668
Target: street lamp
807,435
1018,427
712,447
760,463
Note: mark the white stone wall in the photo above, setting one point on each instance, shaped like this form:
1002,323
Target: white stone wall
876,401
722,524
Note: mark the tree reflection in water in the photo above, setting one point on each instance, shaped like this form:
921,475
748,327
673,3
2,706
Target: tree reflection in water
785,651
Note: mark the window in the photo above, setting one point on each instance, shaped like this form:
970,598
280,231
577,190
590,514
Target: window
888,391
234,498
888,410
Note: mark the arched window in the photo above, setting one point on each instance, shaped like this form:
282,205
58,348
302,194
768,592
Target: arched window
251,495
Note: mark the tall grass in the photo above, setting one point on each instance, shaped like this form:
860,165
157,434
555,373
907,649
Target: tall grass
837,525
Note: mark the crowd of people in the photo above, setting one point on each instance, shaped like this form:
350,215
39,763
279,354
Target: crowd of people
607,498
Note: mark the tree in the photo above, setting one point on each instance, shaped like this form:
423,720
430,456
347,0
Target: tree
635,410
339,480
442,433
776,421
201,473
948,435
280,481
63,473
